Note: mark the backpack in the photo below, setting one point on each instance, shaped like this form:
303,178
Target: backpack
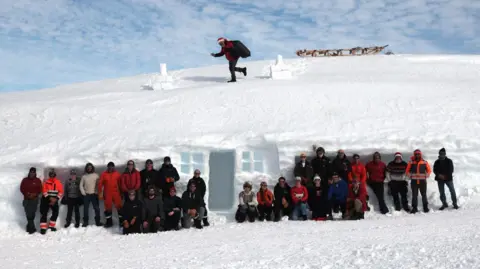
240,49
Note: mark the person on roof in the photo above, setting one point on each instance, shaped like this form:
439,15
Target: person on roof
321,165
337,195
148,177
172,205
153,212
341,165
283,199
376,172
443,170
89,189
130,180
168,175
247,204
356,200
132,212
232,57
418,170
31,188
52,192
265,202
109,191
202,190
193,207
397,182
304,170
299,195
318,199
73,198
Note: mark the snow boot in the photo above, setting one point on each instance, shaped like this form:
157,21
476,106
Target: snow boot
456,206
443,207
98,223
269,218
67,224
53,229
426,209
414,210
244,71
43,231
261,218
198,224
398,208
305,217
360,215
205,222
85,224
406,208
108,223
77,225
232,80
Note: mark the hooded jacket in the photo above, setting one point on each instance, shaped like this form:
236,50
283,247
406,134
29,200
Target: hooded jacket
418,169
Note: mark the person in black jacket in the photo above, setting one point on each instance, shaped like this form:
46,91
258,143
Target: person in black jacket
132,212
202,190
148,177
321,165
172,205
304,170
443,170
167,175
282,205
193,207
341,165
153,213
318,200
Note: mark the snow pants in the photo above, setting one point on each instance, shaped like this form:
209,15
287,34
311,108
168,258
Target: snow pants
232,66
73,204
171,222
30,207
419,185
244,212
299,211
188,220
379,191
92,199
44,208
451,188
399,188
265,212
320,210
336,205
112,198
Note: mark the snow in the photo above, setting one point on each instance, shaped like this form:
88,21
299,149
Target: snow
360,104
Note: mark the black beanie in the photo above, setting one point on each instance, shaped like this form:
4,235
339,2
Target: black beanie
167,159
110,164
442,150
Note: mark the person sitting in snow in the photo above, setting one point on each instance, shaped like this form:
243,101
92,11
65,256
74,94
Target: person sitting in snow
193,207
398,182
265,202
132,212
73,198
304,170
202,190
31,188
153,212
247,204
337,195
229,52
283,199
321,165
376,171
341,165
172,205
443,170
52,192
356,201
148,178
130,180
167,176
418,170
299,200
318,199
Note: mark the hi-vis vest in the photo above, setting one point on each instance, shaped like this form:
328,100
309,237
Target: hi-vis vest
418,170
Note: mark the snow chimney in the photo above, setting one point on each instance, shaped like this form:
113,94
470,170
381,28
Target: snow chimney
279,60
163,70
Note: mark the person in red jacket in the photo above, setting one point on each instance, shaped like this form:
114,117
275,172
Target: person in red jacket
131,180
376,172
228,51
356,200
31,188
299,195
109,191
52,192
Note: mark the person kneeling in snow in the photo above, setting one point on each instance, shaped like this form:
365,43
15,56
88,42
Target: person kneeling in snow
283,199
132,211
52,191
337,195
193,207
171,205
318,199
247,206
265,202
153,213
299,199
357,200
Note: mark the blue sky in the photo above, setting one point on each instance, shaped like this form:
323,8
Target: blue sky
54,42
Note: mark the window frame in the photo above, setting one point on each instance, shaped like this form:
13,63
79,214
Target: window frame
253,162
191,163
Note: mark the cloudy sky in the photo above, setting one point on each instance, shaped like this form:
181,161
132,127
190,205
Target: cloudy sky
52,42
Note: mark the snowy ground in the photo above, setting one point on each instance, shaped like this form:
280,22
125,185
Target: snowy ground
361,104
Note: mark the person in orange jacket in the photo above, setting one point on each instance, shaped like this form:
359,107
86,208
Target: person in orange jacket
359,172
109,191
265,202
418,170
52,192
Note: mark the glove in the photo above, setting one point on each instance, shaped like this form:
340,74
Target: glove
212,54
125,224
145,224
192,212
157,219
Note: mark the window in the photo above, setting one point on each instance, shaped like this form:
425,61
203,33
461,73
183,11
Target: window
252,162
191,161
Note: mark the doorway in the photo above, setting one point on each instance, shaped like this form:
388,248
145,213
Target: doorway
221,180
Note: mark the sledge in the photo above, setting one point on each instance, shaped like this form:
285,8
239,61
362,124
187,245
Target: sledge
240,49
357,51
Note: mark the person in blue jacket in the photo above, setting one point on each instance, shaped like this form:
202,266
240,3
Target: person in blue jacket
337,195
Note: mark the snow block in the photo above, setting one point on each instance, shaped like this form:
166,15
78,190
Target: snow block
161,81
280,70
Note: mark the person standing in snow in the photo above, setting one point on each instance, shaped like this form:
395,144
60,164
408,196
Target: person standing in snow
247,204
418,170
376,172
172,205
232,57
337,195
73,197
283,199
148,178
341,165
130,179
356,200
153,212
443,170
31,188
265,202
132,212
52,192
359,172
168,175
397,182
109,191
89,189
299,195
304,170
193,207
318,199
201,189
321,165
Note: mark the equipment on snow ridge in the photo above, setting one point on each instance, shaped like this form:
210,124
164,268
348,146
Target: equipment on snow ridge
240,49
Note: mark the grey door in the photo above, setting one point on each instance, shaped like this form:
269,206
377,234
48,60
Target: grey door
221,180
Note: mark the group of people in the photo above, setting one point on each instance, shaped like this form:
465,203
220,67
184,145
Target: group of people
146,200
323,187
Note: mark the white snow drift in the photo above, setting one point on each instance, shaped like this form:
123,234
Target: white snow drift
253,130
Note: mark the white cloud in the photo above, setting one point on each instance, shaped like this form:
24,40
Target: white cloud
60,41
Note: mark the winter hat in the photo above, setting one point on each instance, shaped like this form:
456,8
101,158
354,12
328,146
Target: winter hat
167,159
148,162
377,153
298,178
221,39
110,164
442,150
398,154
316,178
356,156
